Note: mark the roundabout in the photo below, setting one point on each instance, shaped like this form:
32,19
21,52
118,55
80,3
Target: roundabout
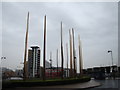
38,82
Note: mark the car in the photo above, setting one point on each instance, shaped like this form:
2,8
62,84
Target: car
15,78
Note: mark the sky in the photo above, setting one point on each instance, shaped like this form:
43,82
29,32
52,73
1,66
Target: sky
95,22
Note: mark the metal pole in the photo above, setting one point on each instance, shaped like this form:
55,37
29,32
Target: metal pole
112,57
51,63
75,63
25,54
57,61
62,52
67,57
110,51
80,56
44,49
73,52
70,54
79,53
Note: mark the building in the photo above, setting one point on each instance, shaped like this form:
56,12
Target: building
55,72
34,62
47,64
19,73
7,73
90,71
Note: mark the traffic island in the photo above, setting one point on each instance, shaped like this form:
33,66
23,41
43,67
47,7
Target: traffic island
33,83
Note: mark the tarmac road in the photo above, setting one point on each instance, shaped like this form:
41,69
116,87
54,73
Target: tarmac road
108,84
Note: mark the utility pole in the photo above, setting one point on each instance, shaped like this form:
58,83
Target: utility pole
62,52
25,53
44,49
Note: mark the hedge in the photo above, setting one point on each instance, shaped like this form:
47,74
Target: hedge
32,83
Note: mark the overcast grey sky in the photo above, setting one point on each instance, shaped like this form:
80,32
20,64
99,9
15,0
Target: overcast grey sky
97,24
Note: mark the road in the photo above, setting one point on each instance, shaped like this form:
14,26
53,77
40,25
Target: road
108,84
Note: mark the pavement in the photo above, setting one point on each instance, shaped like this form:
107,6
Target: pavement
85,85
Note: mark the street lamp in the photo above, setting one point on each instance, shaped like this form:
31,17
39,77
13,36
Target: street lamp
110,51
3,58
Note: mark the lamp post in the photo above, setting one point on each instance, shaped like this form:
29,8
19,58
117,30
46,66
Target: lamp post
113,70
2,58
110,51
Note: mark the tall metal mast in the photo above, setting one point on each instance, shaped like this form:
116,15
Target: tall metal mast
70,54
80,56
74,53
57,61
62,59
67,57
44,49
25,54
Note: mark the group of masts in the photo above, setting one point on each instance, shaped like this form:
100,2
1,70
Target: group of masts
73,60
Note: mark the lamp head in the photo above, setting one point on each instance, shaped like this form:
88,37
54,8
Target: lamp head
109,51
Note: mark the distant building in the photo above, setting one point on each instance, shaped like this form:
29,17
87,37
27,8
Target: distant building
84,71
107,69
114,68
47,64
34,62
19,72
7,73
90,71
